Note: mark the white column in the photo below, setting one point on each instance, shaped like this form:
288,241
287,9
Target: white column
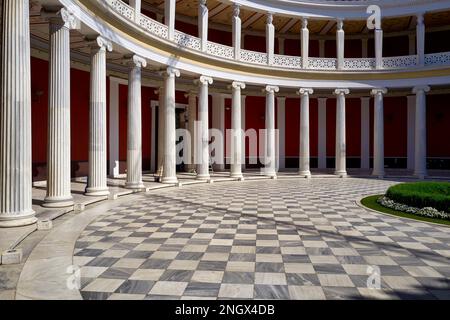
379,48
192,117
420,40
304,167
218,122
203,24
169,17
340,43
236,133
170,161
270,151
58,138
340,132
305,43
322,48
322,133
378,134
281,121
136,5
270,38
237,26
97,182
15,117
411,131
203,165
113,127
243,108
364,48
365,132
134,132
420,161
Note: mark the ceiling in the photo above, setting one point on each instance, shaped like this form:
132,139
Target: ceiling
221,13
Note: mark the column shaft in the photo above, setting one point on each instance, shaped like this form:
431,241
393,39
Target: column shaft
304,159
420,40
378,127
281,121
270,38
97,180
270,152
305,43
170,162
114,162
15,117
192,116
236,134
169,17
203,165
420,161
379,49
237,25
58,147
365,132
218,123
134,132
340,42
411,102
161,130
340,133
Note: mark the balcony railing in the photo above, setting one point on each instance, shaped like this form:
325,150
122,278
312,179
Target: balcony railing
186,41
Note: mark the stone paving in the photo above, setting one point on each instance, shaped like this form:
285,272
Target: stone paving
267,239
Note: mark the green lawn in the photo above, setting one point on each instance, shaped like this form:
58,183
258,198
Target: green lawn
371,202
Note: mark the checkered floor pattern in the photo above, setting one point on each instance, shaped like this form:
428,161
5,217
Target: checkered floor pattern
271,239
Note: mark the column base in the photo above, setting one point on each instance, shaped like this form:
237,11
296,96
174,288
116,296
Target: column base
169,180
203,177
17,219
134,185
238,176
96,192
341,173
305,173
58,202
379,175
420,175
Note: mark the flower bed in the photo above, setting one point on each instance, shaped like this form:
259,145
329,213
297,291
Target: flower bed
429,212
422,195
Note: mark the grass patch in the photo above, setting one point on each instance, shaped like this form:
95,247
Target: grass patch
371,203
422,194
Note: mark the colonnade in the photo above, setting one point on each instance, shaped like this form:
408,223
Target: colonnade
15,120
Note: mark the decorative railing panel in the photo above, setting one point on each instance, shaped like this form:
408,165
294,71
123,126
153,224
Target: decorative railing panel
185,40
253,57
437,59
220,50
290,62
402,62
122,8
154,27
359,64
322,63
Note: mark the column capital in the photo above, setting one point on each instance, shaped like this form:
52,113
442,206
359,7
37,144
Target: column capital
202,2
420,89
101,43
269,18
137,61
61,16
378,91
203,80
420,19
171,72
236,10
341,91
305,91
340,24
304,23
271,89
238,85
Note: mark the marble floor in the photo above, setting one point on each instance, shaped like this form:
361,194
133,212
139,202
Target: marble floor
261,239
291,238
